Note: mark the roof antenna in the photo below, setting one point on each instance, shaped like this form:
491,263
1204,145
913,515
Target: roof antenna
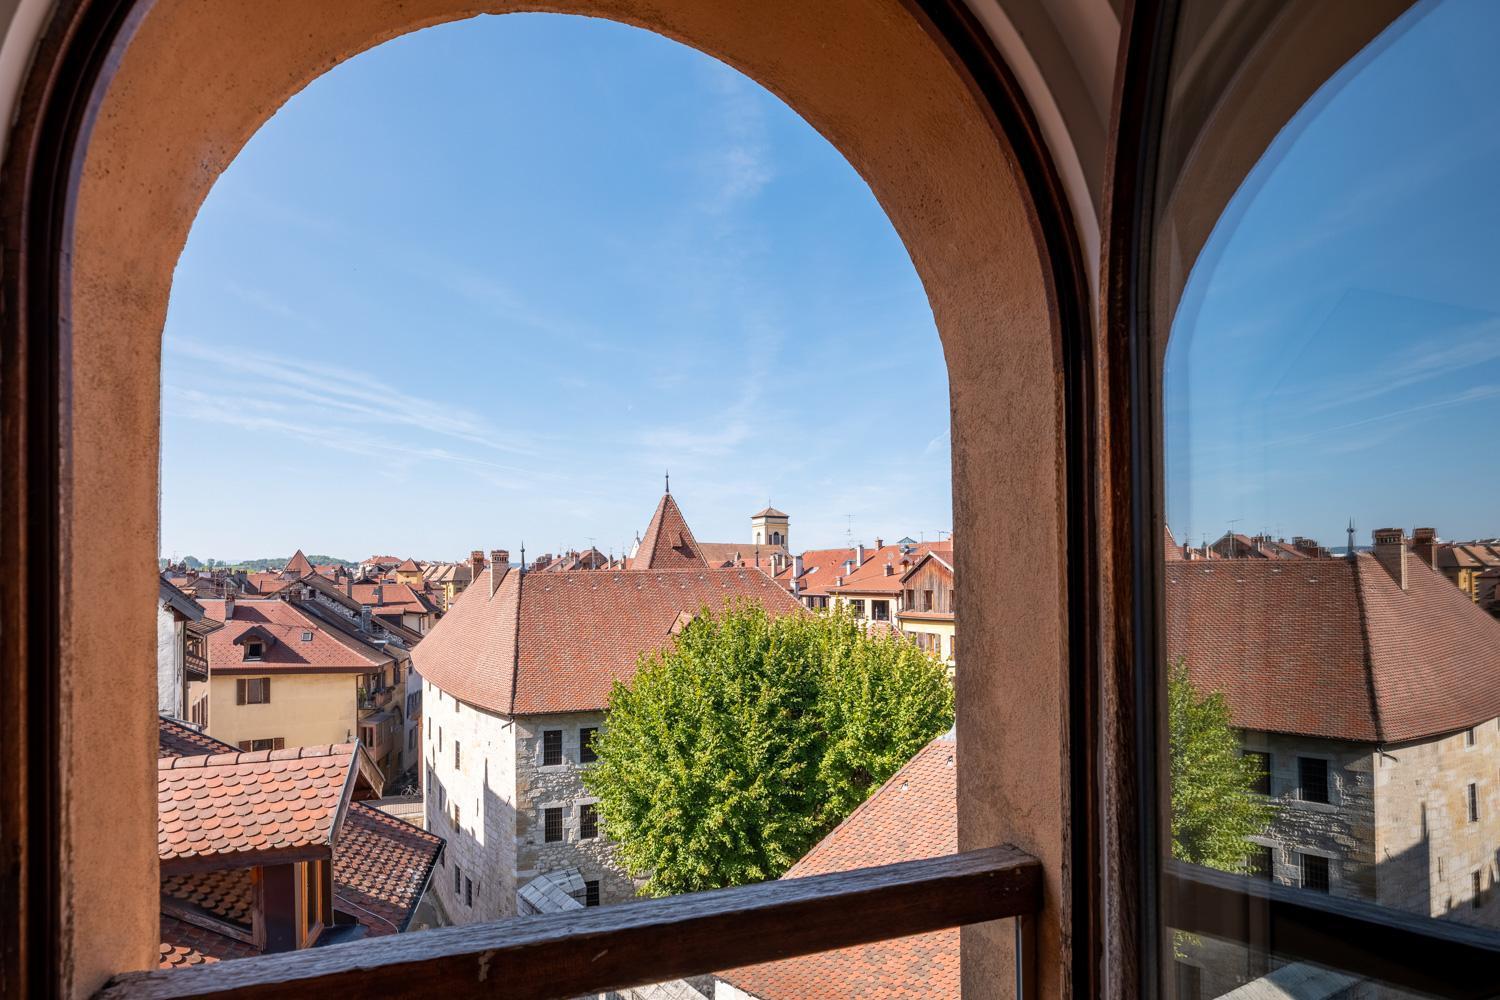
1349,554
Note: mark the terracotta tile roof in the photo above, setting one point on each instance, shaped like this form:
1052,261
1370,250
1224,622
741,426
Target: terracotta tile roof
557,642
240,806
381,867
740,554
871,578
409,566
184,944
1334,648
298,565
285,622
768,512
393,597
177,739
819,569
668,542
912,816
268,583
228,893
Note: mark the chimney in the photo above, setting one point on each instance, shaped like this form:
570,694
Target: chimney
228,606
348,586
364,618
1390,552
499,566
1424,544
880,543
379,594
796,566
476,564
859,555
890,570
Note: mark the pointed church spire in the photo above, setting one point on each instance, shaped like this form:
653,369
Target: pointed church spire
668,542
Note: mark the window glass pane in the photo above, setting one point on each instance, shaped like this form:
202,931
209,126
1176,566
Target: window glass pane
1326,328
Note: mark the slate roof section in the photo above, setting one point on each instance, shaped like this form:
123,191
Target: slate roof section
914,815
556,642
239,808
668,542
1334,648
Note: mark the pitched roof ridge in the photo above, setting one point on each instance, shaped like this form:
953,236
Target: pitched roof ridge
1371,687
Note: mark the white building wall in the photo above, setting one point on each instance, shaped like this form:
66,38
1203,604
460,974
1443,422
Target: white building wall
481,846
170,675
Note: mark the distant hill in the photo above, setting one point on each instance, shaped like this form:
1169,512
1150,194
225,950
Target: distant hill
255,565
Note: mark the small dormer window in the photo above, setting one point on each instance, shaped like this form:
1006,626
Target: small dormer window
254,650
307,635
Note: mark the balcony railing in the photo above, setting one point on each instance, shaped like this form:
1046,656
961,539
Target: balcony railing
634,944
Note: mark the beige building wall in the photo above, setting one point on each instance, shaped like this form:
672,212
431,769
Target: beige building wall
944,630
480,779
304,710
1428,849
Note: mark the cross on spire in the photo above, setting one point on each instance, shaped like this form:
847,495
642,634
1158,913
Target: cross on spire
669,480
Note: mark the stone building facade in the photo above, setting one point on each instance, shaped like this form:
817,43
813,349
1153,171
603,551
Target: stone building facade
514,677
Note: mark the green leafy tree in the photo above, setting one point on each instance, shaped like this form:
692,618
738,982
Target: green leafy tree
736,749
1214,802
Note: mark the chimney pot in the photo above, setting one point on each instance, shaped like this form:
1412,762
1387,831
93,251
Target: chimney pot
859,555
1424,544
228,606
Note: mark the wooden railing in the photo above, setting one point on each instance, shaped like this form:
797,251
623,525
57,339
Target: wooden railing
632,944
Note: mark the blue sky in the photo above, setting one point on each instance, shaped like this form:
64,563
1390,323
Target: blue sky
484,284
1337,353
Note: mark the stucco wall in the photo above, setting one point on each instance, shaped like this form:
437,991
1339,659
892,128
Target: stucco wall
304,710
483,844
538,788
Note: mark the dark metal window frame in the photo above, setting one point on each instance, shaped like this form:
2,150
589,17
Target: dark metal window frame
1433,956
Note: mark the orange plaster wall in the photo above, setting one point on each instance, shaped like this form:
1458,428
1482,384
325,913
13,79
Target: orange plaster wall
200,78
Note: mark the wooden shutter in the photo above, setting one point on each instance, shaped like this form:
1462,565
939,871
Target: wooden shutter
244,744
279,743
265,690
239,691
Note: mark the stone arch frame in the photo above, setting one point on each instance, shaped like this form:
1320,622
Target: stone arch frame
134,108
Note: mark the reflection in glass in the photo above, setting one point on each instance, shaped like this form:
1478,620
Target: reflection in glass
1327,322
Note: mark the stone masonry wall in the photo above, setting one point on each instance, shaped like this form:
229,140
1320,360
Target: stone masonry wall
538,788
482,845
1342,830
1429,849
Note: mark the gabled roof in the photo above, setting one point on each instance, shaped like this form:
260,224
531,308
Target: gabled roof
185,607
298,565
286,622
943,559
247,808
1334,647
914,815
556,642
668,542
820,567
410,566
871,578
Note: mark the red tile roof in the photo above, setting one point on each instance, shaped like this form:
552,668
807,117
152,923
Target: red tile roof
393,597
819,569
1334,647
740,554
556,642
381,867
298,565
184,944
768,512
238,807
410,566
177,739
912,816
871,577
286,623
668,542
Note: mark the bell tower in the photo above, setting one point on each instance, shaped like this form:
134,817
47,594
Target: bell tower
770,527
